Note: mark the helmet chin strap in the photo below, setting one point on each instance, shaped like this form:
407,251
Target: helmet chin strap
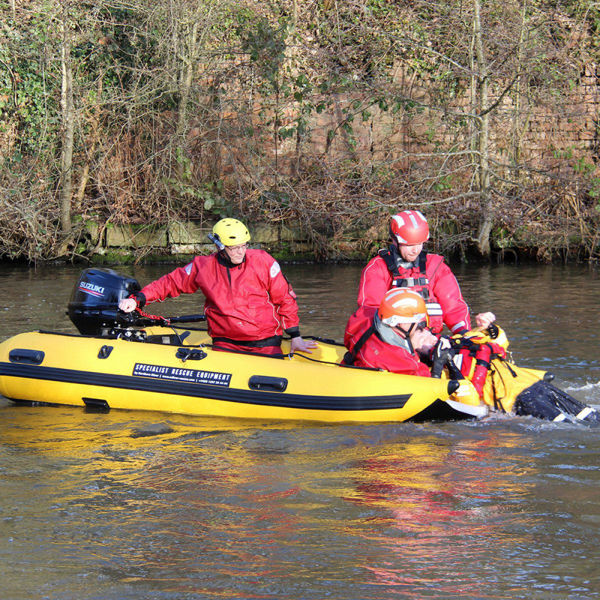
410,329
407,336
388,335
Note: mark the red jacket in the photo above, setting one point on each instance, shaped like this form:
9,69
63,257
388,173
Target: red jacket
376,353
246,302
443,289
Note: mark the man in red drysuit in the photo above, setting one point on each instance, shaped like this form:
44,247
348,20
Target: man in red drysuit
391,337
404,264
395,339
249,302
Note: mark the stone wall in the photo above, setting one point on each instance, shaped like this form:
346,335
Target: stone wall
117,242
547,134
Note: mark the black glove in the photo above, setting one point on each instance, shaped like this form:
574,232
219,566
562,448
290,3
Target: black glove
441,356
493,331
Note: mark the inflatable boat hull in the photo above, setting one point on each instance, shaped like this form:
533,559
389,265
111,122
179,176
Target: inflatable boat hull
187,377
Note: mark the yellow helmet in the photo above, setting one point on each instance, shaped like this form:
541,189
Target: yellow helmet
231,232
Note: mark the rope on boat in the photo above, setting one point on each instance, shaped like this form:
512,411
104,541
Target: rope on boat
153,317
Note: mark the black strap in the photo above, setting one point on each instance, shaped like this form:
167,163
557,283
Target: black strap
390,257
465,343
350,356
497,400
422,266
264,343
422,262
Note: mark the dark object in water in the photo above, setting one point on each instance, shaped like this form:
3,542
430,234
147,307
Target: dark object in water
151,429
544,401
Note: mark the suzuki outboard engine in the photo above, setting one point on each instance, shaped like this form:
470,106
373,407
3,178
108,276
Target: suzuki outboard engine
94,304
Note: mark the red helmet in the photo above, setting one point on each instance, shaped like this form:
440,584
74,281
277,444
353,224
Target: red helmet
402,307
409,227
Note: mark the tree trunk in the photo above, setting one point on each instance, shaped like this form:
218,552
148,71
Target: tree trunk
185,84
486,220
68,130
516,137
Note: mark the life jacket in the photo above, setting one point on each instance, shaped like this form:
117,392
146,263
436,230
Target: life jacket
419,284
508,388
476,351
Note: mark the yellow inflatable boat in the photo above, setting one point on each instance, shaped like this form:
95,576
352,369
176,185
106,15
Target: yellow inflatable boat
120,361
176,372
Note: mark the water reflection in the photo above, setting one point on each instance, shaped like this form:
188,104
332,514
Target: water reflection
442,506
213,509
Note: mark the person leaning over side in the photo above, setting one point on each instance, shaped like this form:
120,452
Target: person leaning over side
249,302
405,264
394,337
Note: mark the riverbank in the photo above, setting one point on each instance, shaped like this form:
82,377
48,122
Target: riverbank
324,118
175,242
152,244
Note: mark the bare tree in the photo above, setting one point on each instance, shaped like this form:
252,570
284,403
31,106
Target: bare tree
67,119
328,114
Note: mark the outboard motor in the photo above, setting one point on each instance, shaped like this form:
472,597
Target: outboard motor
94,304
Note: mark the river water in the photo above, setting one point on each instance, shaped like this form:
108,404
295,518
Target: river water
149,506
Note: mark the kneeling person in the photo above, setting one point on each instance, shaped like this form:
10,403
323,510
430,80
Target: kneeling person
392,337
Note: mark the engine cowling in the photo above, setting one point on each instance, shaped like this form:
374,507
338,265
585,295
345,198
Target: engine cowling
94,304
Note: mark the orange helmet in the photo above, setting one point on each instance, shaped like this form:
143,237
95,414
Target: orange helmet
409,227
402,307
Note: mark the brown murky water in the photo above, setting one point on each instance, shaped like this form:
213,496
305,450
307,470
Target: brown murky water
131,505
